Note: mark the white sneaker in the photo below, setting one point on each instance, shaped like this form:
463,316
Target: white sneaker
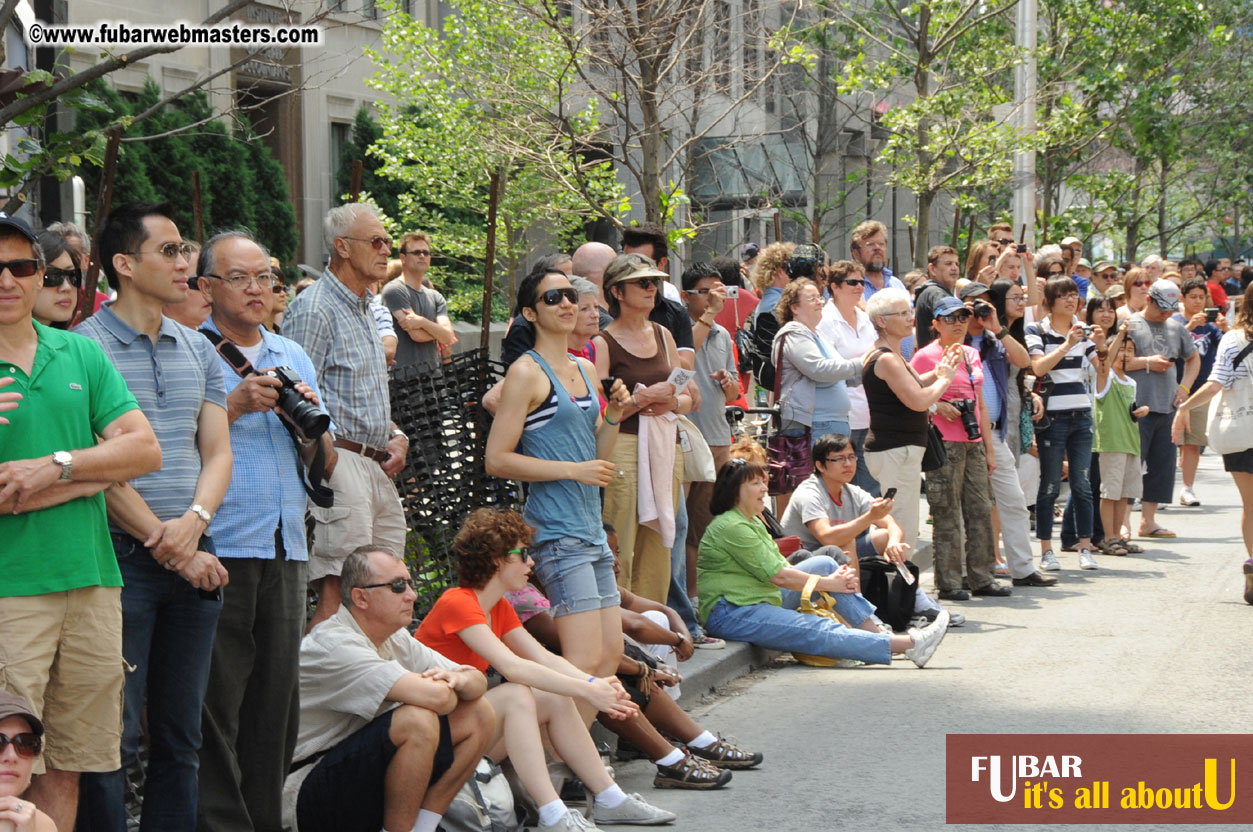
1049,562
571,821
926,639
633,810
1086,561
1187,498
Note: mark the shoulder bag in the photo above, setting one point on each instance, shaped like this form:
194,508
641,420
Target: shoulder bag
789,459
1230,425
823,606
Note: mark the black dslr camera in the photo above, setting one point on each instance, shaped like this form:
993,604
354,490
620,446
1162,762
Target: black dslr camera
982,309
968,410
294,408
804,261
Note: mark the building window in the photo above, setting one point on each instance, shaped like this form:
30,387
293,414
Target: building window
341,137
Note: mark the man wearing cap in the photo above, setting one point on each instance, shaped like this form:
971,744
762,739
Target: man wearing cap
868,244
60,595
942,273
24,734
1104,277
1072,249
997,350
1159,342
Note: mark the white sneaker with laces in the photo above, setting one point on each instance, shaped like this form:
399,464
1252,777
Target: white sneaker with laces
1086,561
571,821
1049,562
633,810
1188,498
926,639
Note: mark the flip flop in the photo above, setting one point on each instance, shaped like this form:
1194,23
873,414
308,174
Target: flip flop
1001,570
1159,532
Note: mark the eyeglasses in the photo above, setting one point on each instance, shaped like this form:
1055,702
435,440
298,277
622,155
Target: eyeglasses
397,586
20,268
377,243
170,251
55,277
853,282
847,459
908,312
241,281
644,282
1058,273
1068,295
1016,298
418,252
523,553
553,296
955,318
27,744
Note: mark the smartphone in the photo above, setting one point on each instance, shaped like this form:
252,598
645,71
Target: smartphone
890,494
733,292
1211,314
607,384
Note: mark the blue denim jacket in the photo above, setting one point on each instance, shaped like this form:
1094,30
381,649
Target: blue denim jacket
996,361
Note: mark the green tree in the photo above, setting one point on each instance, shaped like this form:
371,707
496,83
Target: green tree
384,190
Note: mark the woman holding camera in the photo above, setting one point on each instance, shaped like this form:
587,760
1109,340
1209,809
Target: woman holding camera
1062,349
959,490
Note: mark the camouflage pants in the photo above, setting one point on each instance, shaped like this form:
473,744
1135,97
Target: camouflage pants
955,493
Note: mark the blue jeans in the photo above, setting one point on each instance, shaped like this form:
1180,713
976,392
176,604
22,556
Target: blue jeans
1069,537
167,636
676,598
821,429
1069,437
862,479
782,628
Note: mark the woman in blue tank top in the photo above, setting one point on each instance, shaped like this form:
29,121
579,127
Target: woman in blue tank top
548,432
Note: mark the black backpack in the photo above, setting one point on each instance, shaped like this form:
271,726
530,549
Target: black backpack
760,340
884,587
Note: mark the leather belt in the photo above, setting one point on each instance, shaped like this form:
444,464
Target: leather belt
379,456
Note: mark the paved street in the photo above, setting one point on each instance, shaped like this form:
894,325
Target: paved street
1152,643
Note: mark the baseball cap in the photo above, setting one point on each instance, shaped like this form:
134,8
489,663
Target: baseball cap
972,289
1083,261
1115,291
1165,294
947,306
630,267
13,705
1070,241
1102,265
749,250
18,225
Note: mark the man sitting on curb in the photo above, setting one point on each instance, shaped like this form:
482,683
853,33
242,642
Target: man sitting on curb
387,726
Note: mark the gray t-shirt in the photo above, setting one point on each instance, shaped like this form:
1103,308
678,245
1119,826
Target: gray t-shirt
428,303
811,501
1169,338
713,355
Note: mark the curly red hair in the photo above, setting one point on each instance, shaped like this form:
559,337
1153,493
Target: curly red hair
485,538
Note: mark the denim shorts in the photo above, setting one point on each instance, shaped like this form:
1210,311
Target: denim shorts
577,575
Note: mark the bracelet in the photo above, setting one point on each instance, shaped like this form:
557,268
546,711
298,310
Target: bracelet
1186,389
609,421
679,643
591,679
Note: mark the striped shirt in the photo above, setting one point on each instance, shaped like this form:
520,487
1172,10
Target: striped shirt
172,380
339,334
544,414
1070,376
1228,348
266,486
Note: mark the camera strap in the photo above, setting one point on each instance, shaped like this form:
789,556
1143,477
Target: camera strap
313,477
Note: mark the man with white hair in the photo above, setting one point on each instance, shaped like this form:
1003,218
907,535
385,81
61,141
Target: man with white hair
333,322
1153,265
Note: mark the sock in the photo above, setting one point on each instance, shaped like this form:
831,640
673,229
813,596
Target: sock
705,740
611,798
670,759
427,821
552,812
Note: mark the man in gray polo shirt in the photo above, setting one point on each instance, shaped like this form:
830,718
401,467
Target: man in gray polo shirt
332,321
171,594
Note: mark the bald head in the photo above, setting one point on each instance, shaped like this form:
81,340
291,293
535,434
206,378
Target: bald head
590,260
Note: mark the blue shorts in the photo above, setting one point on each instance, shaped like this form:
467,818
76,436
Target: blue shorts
577,575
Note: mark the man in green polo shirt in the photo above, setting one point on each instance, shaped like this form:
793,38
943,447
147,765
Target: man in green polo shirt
60,597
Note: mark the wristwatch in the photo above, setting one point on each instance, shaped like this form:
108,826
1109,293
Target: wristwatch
202,513
1004,331
398,432
66,461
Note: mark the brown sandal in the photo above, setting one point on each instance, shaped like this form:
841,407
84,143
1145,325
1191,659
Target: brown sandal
690,773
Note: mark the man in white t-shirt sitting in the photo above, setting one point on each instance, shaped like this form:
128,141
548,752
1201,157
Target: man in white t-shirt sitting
388,726
828,510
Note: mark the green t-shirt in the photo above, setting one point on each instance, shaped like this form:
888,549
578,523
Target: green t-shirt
1115,430
71,395
737,560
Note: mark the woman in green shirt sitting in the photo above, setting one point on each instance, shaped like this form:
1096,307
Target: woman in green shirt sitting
748,592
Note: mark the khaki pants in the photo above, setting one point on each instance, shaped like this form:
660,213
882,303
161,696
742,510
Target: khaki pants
367,511
900,468
645,561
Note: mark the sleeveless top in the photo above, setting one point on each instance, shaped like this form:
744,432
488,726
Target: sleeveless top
563,508
634,370
892,423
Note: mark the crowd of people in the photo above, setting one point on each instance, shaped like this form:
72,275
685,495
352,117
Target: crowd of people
201,452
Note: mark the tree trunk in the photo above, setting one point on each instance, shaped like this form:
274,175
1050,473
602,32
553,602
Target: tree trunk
1133,224
1161,211
922,90
924,229
651,142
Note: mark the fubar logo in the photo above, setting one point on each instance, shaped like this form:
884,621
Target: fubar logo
1099,778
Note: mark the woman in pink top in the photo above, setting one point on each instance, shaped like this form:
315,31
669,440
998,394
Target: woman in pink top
960,488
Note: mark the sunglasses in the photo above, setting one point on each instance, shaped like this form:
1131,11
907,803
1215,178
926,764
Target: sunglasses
376,243
279,288
397,586
553,296
20,268
25,744
55,277
853,282
418,252
523,553
645,282
1140,283
1057,273
1006,242
955,318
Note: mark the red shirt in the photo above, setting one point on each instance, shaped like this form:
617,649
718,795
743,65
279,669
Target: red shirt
1219,295
736,311
457,609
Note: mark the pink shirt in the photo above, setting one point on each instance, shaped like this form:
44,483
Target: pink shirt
967,385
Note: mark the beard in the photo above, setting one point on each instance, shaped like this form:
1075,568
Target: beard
875,265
